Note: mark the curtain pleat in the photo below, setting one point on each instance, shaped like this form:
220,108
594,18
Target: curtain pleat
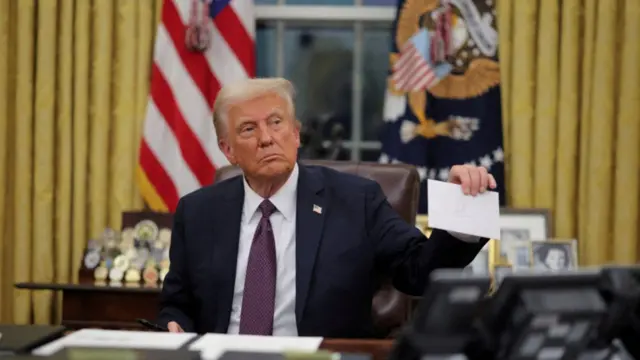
81,125
100,113
627,145
521,100
573,124
602,111
567,122
44,155
546,104
5,89
588,46
121,172
22,172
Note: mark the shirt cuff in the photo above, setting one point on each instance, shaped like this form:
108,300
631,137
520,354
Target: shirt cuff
465,237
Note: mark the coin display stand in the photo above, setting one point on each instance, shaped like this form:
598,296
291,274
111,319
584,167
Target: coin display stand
138,255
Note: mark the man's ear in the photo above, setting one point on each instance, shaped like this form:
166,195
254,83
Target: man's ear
227,150
296,130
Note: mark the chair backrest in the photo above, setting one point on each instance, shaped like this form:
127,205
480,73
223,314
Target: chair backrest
400,183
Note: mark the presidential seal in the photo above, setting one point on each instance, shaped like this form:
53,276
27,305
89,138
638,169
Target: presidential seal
447,48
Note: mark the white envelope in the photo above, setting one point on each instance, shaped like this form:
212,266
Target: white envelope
450,209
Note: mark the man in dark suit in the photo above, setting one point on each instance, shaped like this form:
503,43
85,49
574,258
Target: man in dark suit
288,249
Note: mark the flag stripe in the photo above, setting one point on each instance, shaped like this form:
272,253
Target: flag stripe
224,62
237,38
188,142
244,10
190,101
163,144
158,178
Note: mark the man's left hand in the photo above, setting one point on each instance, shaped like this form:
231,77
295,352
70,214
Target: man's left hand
473,179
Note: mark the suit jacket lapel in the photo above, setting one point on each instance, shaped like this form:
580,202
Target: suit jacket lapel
226,223
311,211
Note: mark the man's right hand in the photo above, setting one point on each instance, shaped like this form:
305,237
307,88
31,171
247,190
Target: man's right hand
174,327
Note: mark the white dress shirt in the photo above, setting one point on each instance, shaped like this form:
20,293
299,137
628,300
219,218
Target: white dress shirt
283,222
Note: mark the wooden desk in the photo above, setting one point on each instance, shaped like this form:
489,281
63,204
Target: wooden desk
116,307
378,349
103,306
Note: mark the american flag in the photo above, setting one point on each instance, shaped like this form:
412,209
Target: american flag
178,150
414,70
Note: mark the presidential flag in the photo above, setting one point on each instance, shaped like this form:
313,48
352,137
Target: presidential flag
200,46
442,104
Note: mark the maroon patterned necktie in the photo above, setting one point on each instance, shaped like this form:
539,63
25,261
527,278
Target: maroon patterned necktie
259,296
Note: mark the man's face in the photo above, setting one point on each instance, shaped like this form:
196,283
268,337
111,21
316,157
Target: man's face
261,137
555,259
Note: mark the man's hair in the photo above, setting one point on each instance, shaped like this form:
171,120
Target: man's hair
544,249
244,90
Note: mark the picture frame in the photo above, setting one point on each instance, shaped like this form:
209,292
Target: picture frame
422,223
554,254
518,227
516,253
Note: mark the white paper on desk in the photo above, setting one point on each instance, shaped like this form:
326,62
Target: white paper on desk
116,339
450,209
212,346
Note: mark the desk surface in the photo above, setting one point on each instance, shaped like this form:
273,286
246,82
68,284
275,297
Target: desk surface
23,338
96,286
81,301
378,349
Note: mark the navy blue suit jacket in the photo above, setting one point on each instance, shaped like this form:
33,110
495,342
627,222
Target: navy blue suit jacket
340,254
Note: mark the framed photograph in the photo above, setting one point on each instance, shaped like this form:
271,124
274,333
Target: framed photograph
482,262
517,253
518,226
554,255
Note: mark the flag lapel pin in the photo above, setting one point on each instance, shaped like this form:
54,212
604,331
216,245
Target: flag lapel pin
317,209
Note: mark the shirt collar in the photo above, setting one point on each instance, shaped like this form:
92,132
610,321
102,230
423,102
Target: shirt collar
284,199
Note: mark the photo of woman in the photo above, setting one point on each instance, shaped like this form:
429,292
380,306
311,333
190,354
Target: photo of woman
553,256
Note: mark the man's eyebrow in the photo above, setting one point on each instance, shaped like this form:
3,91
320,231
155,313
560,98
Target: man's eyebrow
243,120
276,111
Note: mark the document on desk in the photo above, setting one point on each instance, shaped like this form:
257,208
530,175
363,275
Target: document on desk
116,339
212,346
450,209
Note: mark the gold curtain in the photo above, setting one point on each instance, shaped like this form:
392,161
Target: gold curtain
571,104
74,78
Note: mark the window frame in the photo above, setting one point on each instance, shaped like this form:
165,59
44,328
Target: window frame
326,16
